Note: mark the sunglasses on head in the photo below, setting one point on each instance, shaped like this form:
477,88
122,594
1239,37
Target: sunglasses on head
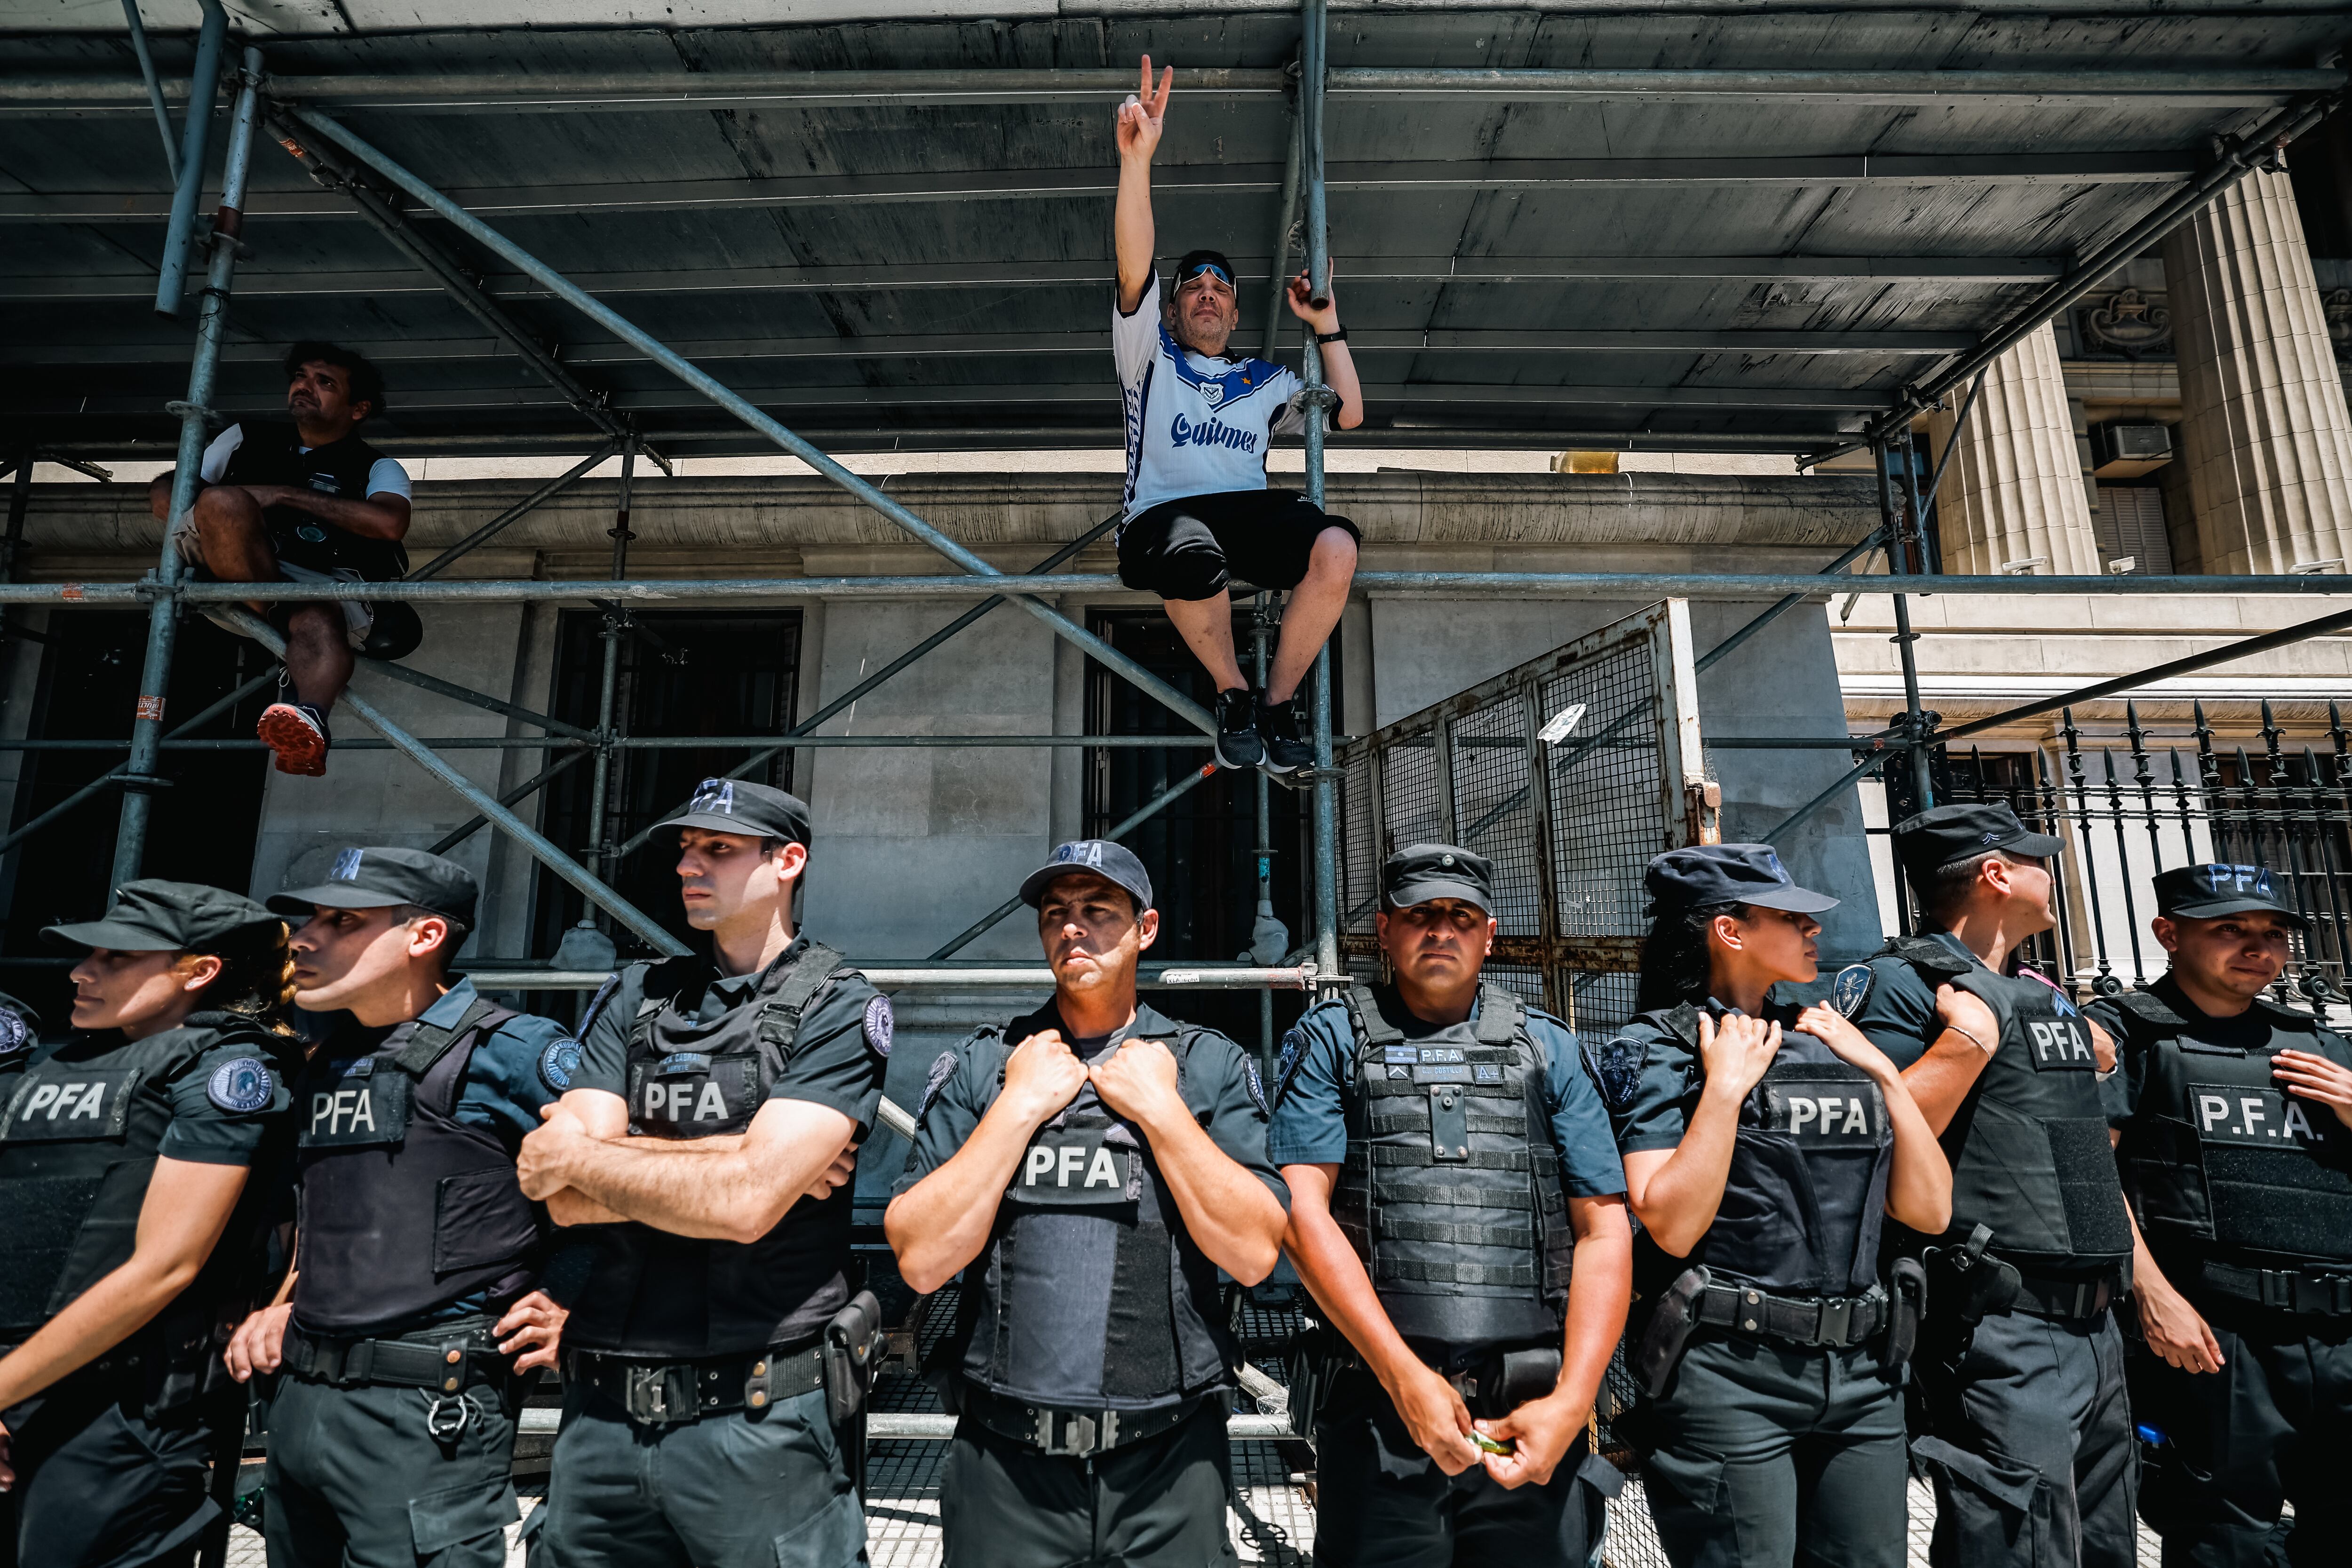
1212,269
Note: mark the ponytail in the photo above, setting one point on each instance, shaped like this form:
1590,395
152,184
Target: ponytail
1675,960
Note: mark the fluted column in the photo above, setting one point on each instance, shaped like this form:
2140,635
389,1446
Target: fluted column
2013,492
2263,433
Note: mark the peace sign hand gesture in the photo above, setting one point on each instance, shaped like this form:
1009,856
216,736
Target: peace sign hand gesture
1142,116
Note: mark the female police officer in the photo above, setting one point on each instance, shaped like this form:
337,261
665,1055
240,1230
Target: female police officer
132,1230
1761,1146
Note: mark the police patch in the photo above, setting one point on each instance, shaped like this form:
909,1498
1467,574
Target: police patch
881,1025
1619,1065
13,1036
242,1086
1294,1051
1255,1085
557,1063
1851,989
941,1070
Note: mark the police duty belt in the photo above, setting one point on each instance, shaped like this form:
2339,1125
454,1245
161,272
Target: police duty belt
445,1362
2322,1294
1076,1433
1832,1322
2068,1297
666,1393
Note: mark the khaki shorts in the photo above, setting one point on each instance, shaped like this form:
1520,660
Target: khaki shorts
359,616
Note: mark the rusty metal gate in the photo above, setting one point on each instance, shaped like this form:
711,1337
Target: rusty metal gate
1570,773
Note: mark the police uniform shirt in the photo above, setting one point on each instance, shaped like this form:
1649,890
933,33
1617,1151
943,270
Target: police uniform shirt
1310,1122
1898,1017
504,1088
207,1127
2249,1031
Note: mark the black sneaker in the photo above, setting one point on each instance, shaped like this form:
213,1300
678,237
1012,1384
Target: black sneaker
1277,727
298,733
1237,741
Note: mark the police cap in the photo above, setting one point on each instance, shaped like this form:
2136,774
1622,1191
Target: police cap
1101,858
1418,873
1729,874
153,916
379,876
2209,893
739,807
1941,834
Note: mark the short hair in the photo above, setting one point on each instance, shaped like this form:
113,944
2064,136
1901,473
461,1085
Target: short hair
458,931
1943,891
367,381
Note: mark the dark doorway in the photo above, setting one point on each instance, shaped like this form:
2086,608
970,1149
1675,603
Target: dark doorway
203,824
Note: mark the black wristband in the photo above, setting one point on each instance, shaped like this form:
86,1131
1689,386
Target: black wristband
1339,337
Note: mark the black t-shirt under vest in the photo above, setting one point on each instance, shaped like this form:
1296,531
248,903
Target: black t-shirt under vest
273,455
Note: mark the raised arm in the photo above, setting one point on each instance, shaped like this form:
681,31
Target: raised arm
1675,1192
1230,1214
1139,121
1968,1035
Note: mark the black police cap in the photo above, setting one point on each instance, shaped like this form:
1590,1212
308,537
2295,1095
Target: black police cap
154,916
1096,857
379,876
1420,873
1707,874
1943,834
2210,891
739,807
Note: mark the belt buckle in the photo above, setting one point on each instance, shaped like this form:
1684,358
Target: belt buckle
644,1393
1836,1320
1082,1433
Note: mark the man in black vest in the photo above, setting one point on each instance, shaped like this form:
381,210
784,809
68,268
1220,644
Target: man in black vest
715,1108
304,502
2235,1123
1088,1168
2020,1364
1490,1324
403,1338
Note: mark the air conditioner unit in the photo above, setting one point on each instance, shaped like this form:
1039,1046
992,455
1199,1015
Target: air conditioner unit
2125,451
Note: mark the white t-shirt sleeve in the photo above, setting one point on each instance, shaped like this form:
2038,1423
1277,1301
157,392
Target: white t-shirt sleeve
216,455
1292,420
1134,334
388,478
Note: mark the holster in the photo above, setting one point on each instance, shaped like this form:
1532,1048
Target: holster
1671,1322
1969,1284
852,1345
1907,1292
1503,1383
1319,1354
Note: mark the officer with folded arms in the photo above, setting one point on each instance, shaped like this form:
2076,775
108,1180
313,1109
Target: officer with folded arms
1458,1214
713,1108
134,1232
1764,1144
2020,1370
407,1336
1090,1168
2234,1117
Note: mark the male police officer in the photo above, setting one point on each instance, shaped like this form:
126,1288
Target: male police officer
1448,1158
2032,1445
392,1432
713,1108
1099,1163
2235,1122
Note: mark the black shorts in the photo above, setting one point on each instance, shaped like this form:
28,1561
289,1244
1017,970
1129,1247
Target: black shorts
1197,547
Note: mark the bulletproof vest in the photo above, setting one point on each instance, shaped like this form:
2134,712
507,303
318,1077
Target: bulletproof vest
2029,1147
1451,1189
656,1294
79,1139
272,454
1091,1295
2219,1153
405,1208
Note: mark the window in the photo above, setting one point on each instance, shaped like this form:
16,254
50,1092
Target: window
2129,524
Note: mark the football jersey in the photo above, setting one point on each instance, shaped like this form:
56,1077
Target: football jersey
1195,425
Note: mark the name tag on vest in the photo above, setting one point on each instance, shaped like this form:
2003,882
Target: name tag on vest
60,1104
2254,1118
1819,1111
2057,1045
1075,1170
362,1109
690,1095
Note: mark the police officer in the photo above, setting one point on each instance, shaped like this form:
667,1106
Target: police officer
1763,1145
405,1338
2235,1116
133,1240
1458,1213
712,1111
2022,1366
1096,1163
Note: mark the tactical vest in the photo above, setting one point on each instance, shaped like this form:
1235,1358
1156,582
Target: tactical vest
405,1208
1451,1190
1091,1295
662,1296
2029,1147
2218,1153
1805,1198
272,454
79,1139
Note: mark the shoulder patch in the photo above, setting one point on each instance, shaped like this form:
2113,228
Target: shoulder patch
942,1070
242,1085
1618,1065
1285,1067
1255,1085
13,1036
597,1003
1851,989
881,1026
558,1062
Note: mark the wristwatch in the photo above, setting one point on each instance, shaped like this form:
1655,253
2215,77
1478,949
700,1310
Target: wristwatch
1339,337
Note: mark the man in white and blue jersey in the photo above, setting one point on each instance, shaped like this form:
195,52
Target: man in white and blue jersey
1199,420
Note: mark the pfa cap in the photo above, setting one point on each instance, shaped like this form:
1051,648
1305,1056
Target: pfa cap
2208,893
1729,874
1943,834
153,916
378,877
1418,873
738,806
1099,857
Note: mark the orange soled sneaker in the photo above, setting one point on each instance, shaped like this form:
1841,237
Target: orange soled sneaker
298,733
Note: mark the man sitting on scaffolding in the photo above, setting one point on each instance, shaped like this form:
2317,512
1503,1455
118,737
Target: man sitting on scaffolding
1199,420
304,502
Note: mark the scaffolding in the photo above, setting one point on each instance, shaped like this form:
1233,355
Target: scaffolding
295,112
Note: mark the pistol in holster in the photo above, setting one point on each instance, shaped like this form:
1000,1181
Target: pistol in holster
1501,1383
1671,1322
852,1356
1319,1354
1907,1304
1969,1285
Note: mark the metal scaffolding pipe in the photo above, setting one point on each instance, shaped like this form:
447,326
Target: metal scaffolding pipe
1325,826
1786,602
1804,813
888,974
515,797
514,513
1278,267
154,86
188,180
